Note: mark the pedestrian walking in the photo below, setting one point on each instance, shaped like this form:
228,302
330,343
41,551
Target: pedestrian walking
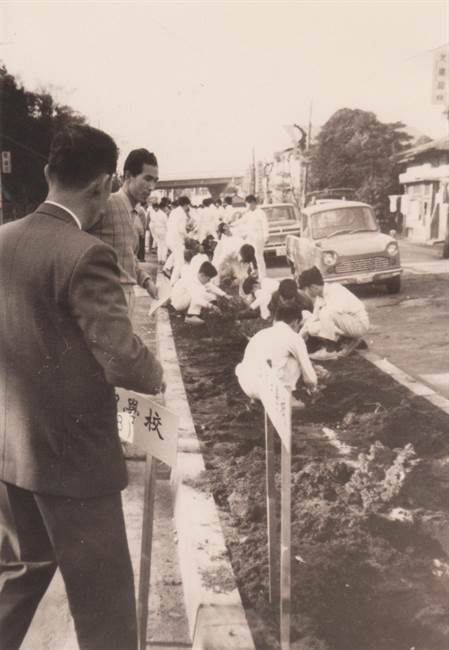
65,341
158,229
176,236
116,227
253,227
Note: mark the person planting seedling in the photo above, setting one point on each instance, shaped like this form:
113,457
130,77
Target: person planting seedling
284,350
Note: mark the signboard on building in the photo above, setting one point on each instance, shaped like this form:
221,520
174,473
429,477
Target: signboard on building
440,81
6,162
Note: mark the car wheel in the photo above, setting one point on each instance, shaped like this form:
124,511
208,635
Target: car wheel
394,284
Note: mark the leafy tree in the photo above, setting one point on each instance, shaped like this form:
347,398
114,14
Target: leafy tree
28,121
354,149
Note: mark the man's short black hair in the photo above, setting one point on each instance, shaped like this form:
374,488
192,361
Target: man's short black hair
250,199
221,228
248,253
288,288
189,254
288,313
184,201
136,159
228,200
79,154
207,202
165,202
248,285
208,269
309,277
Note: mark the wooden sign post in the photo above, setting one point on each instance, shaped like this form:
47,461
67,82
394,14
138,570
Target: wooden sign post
276,400
272,514
154,429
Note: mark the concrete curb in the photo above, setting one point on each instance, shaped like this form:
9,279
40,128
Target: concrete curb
414,385
215,613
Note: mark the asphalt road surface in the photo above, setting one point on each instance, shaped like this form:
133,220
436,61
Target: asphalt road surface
409,329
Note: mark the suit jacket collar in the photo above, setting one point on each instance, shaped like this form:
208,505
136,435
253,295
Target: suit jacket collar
57,212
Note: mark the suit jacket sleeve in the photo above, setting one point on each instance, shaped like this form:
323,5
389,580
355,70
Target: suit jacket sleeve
98,304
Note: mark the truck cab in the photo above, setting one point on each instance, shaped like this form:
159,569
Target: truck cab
283,220
342,238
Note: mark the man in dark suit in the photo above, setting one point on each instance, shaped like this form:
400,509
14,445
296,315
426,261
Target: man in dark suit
65,342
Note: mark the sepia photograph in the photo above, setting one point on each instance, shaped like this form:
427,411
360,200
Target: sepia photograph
224,325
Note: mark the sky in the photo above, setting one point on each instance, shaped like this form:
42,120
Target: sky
202,83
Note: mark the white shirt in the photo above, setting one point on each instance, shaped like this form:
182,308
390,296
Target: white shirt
277,344
227,245
253,225
203,294
72,214
339,300
263,296
196,262
207,222
176,228
158,223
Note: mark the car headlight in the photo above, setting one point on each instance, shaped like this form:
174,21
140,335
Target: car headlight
329,258
392,249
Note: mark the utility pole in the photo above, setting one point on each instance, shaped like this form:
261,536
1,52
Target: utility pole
253,172
307,152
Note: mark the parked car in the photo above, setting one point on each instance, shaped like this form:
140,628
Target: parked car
342,238
283,220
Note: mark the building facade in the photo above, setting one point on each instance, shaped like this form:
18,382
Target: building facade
424,204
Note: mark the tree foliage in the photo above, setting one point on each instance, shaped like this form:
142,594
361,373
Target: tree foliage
354,149
28,121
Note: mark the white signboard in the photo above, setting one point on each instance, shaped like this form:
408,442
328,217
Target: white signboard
277,403
148,425
6,162
440,81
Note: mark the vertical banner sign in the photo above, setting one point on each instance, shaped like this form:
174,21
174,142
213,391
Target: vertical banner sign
440,80
6,162
276,400
154,429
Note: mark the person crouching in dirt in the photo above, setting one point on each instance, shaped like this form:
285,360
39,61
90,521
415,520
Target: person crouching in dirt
338,316
199,294
236,267
289,294
284,350
258,294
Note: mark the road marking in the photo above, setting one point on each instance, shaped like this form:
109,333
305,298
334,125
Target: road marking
420,268
440,380
414,385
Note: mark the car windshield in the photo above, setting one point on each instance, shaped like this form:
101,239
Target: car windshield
342,221
280,213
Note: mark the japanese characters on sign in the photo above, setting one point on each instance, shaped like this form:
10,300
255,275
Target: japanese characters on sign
147,424
440,85
276,401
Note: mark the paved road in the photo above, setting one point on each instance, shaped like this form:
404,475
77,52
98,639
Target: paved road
410,329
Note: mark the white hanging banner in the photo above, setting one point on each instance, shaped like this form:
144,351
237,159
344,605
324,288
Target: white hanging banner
145,423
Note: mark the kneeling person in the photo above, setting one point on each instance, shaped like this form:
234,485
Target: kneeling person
337,312
283,349
203,293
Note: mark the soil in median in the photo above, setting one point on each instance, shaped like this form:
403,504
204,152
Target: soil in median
370,495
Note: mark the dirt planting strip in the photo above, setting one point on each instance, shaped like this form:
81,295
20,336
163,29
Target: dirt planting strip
370,501
215,613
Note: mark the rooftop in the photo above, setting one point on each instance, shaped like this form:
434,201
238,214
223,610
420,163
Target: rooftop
442,144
